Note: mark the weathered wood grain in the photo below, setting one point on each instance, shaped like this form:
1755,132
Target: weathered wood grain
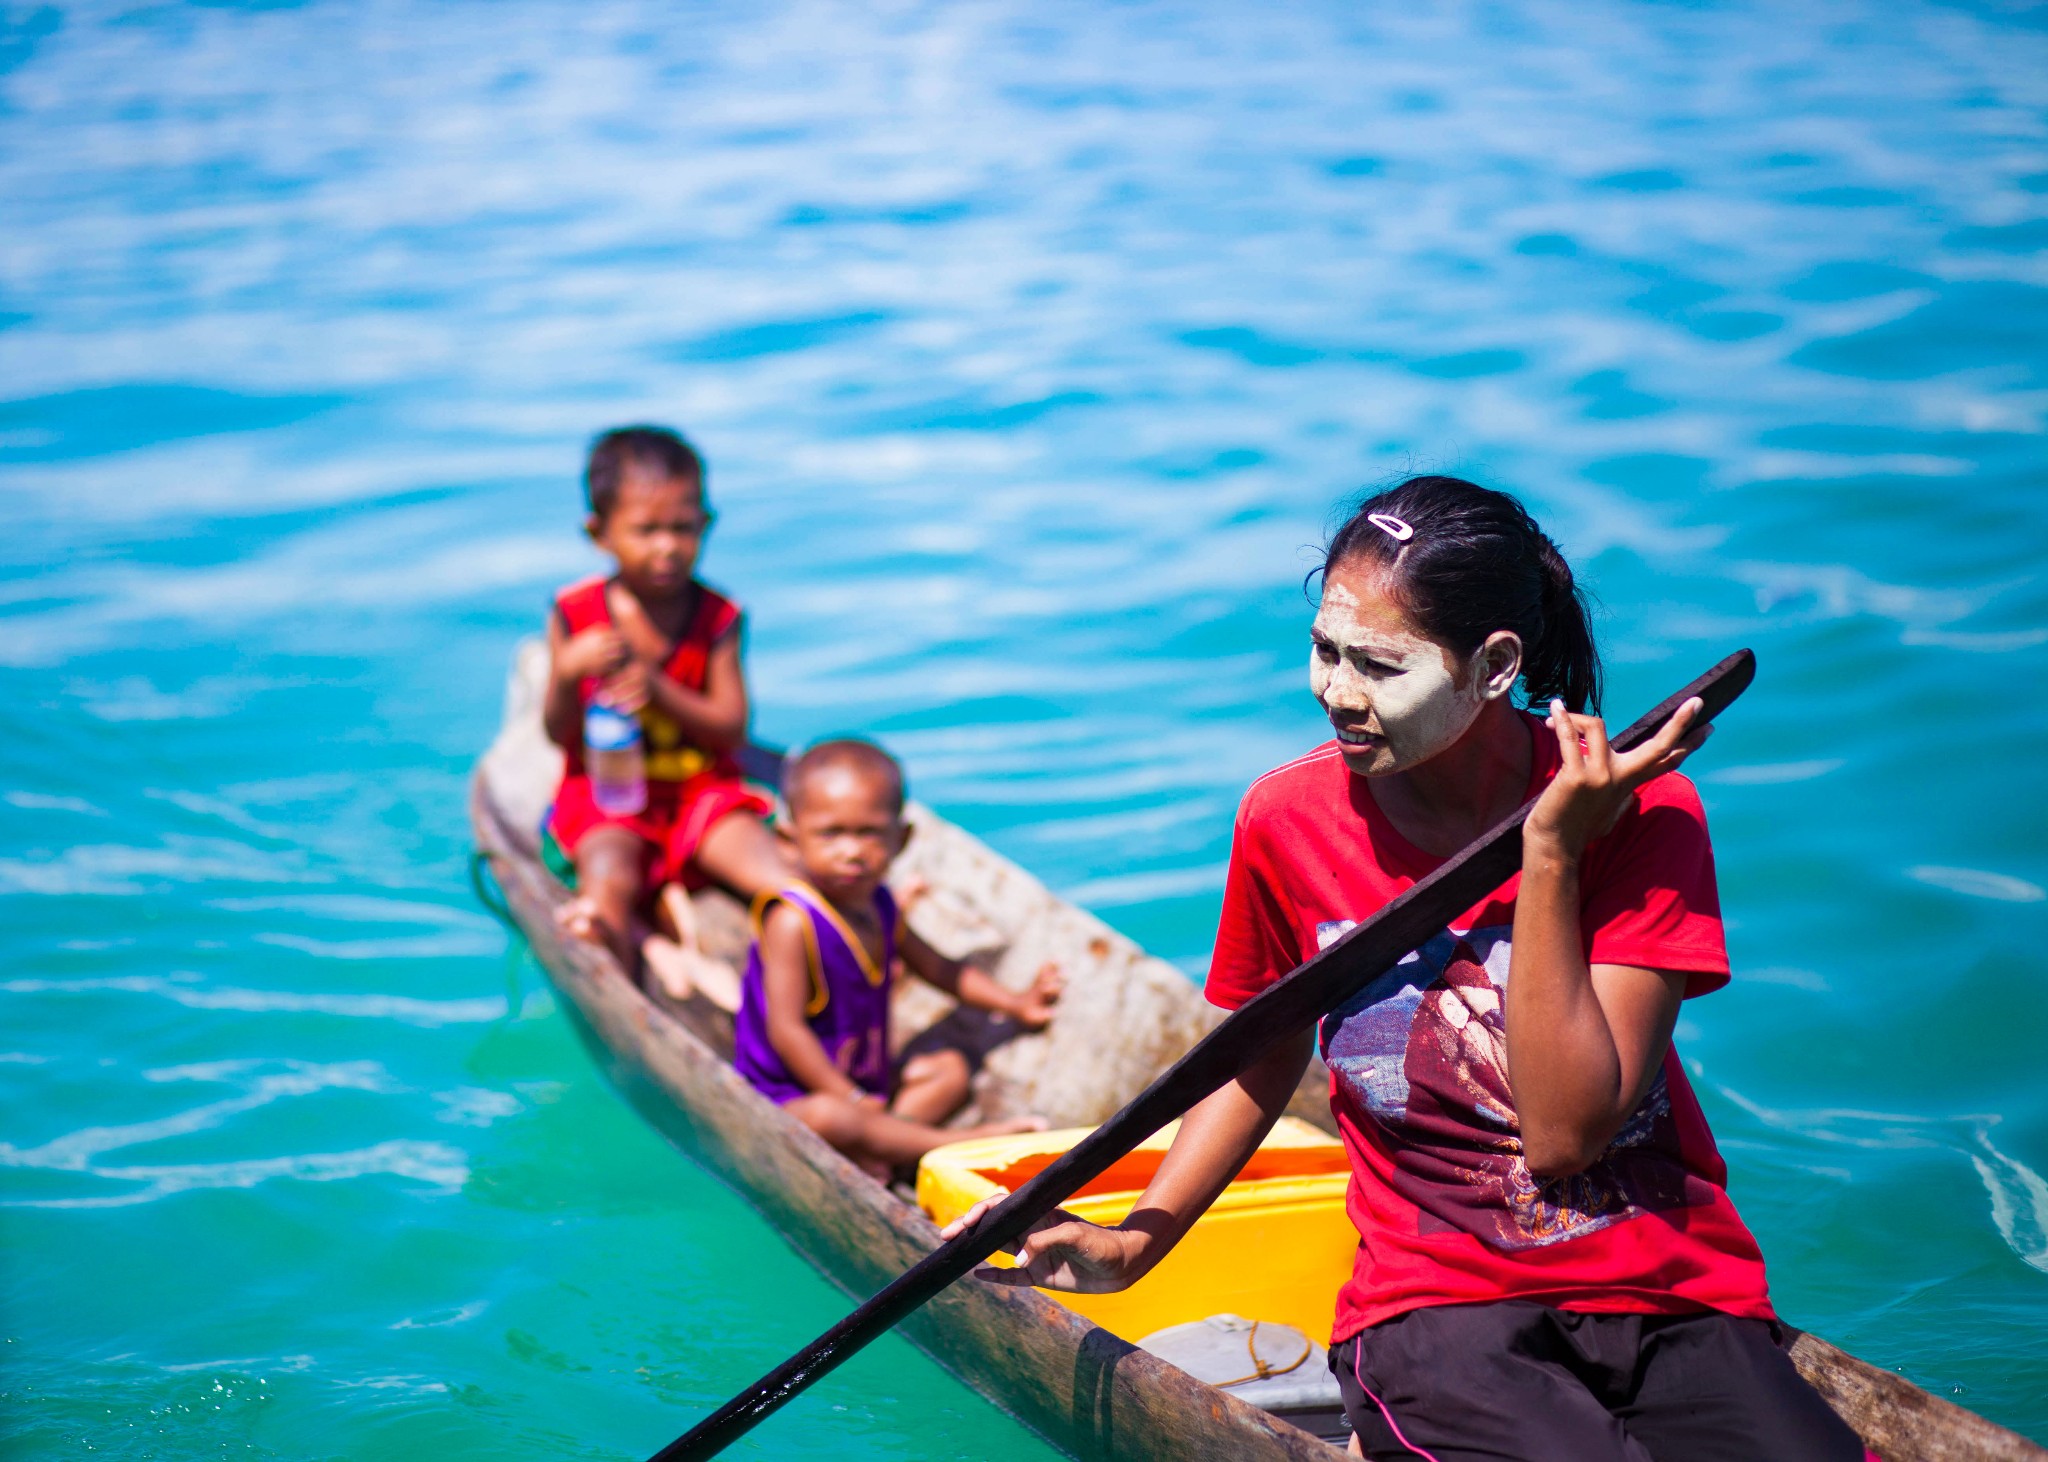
1899,1421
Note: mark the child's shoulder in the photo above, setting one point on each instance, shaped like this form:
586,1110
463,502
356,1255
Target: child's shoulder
582,603
717,601
784,927
717,615
780,912
788,905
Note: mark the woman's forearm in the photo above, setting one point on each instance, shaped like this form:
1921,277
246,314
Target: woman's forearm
1562,1063
1215,1140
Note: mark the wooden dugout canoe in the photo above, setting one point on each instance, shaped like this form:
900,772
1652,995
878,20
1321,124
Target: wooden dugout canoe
1125,1017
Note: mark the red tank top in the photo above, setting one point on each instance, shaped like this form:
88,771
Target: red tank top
670,755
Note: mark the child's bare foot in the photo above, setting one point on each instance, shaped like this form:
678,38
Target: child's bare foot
1006,1129
677,915
676,961
582,918
579,919
681,973
669,967
717,982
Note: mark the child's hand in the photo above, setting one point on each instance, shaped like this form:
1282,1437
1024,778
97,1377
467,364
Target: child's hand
1034,1006
630,687
1061,1252
596,651
1594,786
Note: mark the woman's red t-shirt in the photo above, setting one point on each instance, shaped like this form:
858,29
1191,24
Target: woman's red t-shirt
1446,1208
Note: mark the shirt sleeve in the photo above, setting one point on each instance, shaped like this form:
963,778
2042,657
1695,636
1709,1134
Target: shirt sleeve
1255,940
1650,898
722,616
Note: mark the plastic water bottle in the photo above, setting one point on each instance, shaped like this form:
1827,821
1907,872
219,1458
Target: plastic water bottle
616,759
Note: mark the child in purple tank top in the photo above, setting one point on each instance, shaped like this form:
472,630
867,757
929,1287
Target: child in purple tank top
846,1005
813,1027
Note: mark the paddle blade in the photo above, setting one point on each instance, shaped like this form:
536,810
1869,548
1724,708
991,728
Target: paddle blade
1717,690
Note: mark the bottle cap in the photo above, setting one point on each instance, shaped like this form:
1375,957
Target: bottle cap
606,728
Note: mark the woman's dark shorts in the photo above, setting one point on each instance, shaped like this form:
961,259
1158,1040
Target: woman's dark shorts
1481,1383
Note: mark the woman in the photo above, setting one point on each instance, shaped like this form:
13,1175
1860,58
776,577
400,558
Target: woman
1549,1266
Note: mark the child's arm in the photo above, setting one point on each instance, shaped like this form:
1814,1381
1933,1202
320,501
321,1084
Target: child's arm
714,718
572,659
1030,1008
785,986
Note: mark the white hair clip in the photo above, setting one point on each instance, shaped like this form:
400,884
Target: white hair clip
1393,527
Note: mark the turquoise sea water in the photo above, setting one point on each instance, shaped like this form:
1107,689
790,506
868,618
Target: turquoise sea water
1032,348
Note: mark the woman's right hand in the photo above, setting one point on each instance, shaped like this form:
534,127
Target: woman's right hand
1595,784
1062,1252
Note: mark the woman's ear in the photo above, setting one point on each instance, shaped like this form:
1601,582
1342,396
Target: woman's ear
593,528
1498,664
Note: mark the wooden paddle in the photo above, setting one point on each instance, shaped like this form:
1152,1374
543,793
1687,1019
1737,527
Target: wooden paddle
1319,985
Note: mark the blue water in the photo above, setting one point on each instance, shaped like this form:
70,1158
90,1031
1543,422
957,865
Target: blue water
1032,348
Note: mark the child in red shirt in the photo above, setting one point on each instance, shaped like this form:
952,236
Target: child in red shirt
1549,1266
654,643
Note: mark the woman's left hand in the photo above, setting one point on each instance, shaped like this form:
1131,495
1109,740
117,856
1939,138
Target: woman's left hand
1595,784
1062,1252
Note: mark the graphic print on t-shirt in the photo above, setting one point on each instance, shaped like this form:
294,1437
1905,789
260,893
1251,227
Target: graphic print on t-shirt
1422,1051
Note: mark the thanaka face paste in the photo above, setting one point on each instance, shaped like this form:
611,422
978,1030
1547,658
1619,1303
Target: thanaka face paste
1395,697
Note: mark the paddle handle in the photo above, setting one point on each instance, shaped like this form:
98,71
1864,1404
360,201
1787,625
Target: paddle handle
1316,987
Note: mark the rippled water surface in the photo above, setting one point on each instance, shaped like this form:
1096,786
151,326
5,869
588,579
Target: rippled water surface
1031,347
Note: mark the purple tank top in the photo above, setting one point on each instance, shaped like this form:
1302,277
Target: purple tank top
848,1008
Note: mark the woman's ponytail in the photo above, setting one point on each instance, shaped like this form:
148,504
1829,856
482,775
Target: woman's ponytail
1562,660
1466,561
